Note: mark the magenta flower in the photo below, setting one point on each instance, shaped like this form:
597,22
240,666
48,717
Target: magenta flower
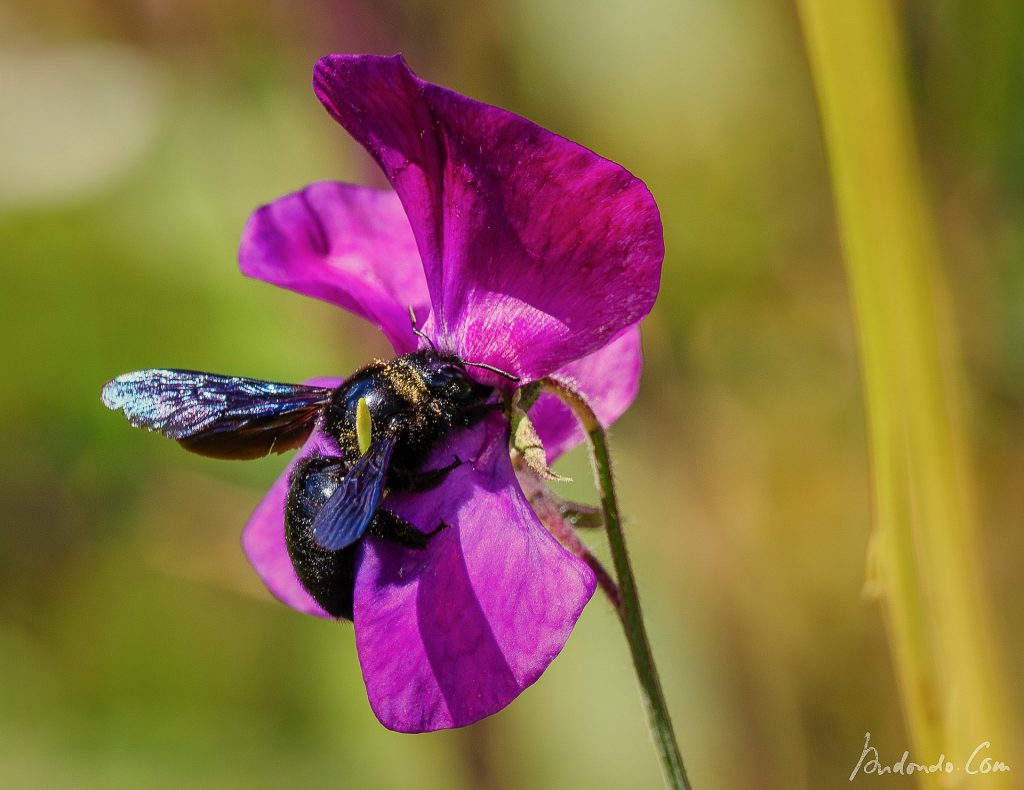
517,248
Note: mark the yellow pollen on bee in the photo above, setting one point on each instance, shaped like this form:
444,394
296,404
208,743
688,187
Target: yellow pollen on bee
364,426
408,383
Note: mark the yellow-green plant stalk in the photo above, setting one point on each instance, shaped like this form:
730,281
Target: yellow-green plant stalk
924,563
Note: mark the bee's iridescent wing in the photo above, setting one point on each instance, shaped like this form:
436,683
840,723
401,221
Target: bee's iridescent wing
218,416
347,514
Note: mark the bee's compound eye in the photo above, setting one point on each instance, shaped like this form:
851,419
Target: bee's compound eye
459,384
440,377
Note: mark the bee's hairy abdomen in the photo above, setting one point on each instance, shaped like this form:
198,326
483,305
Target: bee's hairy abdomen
329,577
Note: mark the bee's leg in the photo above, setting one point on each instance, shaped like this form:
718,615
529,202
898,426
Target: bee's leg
396,529
422,481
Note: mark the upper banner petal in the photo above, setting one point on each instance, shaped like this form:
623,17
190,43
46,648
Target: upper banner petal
263,537
455,632
346,244
536,250
609,379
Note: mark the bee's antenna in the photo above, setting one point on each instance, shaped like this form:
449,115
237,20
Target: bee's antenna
417,331
493,369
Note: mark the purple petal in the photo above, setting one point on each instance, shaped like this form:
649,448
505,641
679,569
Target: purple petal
345,244
454,633
608,379
263,537
536,250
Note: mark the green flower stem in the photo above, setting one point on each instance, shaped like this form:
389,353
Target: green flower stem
629,611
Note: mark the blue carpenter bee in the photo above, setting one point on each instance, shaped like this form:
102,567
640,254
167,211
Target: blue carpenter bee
385,419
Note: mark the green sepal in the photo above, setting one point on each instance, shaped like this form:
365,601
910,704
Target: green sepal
527,443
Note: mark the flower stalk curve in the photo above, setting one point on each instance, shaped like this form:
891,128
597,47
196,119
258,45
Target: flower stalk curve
629,610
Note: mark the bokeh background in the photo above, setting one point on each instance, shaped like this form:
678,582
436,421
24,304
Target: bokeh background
137,648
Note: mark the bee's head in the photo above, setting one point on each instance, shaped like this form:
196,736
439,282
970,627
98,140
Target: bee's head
445,369
446,377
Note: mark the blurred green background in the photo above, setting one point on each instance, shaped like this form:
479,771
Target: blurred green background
138,649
